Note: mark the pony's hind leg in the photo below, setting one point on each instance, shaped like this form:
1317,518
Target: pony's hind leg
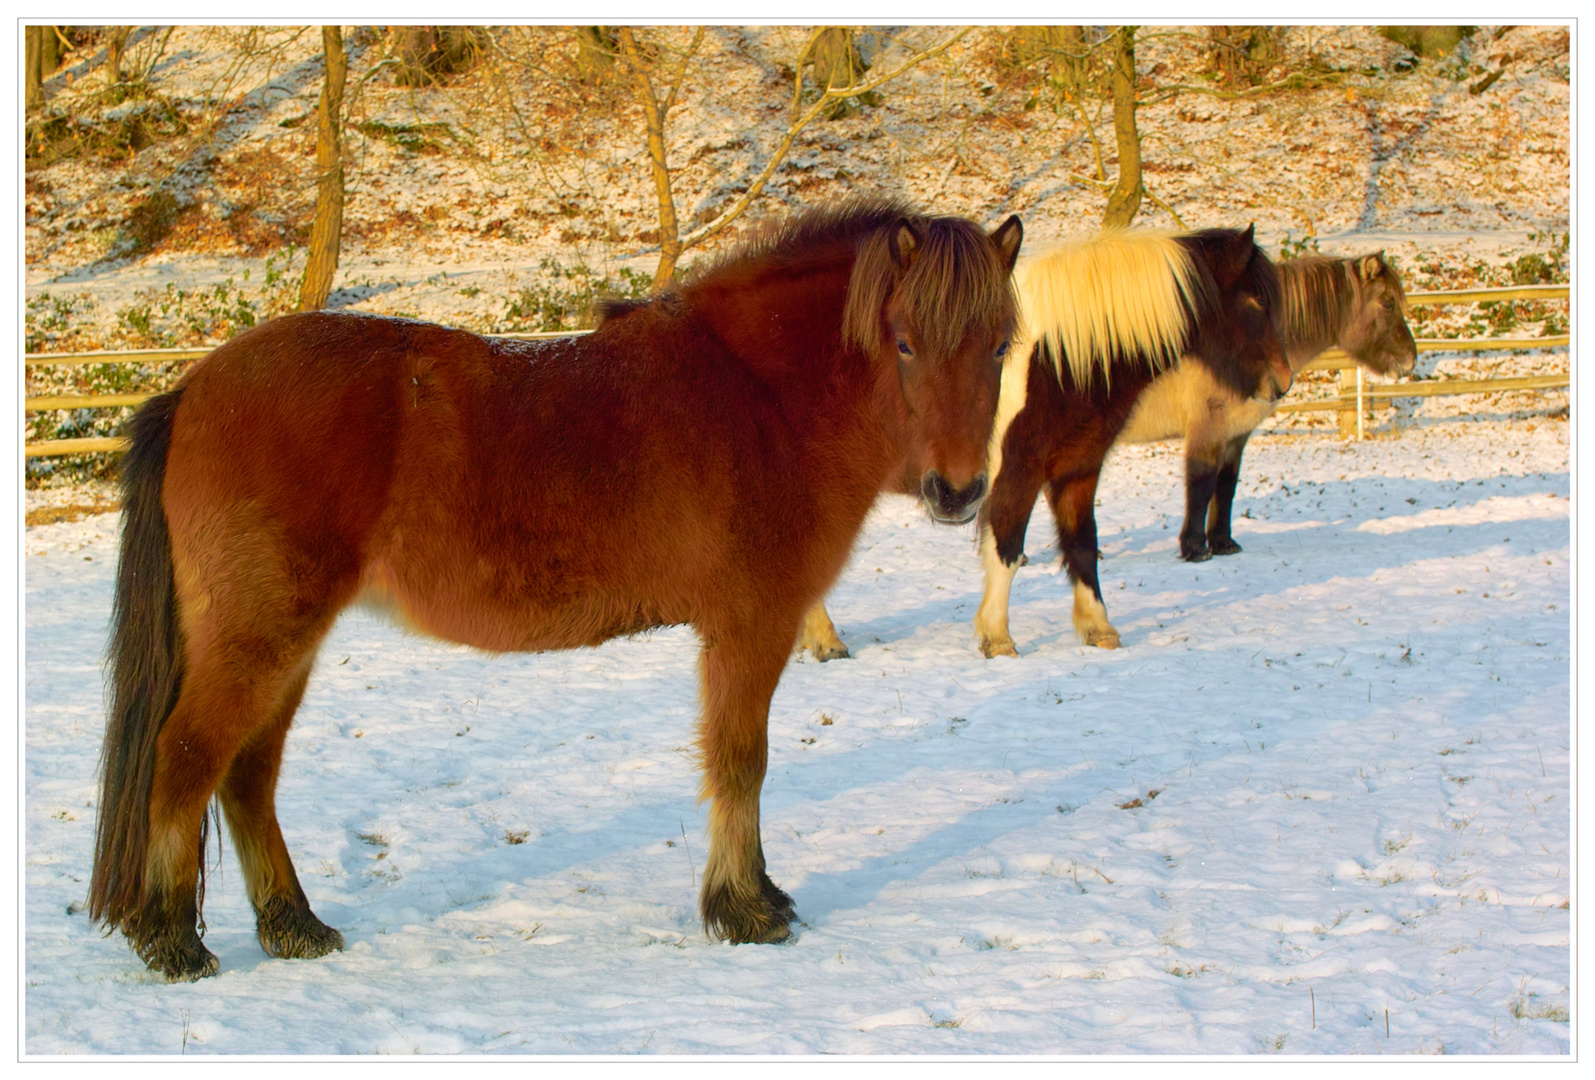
196,745
250,627
739,671
1219,540
284,923
1073,503
819,635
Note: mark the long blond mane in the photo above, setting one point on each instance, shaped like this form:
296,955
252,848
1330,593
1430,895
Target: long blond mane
1120,297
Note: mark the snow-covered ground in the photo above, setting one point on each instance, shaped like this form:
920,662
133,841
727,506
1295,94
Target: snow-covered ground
1318,804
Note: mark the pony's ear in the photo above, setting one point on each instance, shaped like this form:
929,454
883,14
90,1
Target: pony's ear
1007,238
1238,255
903,242
1370,265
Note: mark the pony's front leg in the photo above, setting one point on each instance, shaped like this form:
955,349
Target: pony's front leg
991,620
739,669
1003,521
819,635
1073,504
1219,540
1201,481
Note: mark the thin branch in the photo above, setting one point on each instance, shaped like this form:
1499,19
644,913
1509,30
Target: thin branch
802,57
1165,207
1096,144
681,74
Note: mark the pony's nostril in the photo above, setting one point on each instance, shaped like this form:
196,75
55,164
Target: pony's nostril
948,503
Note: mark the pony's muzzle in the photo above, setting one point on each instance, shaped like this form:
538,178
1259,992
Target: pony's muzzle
1276,384
949,505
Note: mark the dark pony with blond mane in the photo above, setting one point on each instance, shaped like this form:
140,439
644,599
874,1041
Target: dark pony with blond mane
703,458
1356,303
1153,297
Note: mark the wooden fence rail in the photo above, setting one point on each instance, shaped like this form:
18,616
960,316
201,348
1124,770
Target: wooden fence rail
1353,395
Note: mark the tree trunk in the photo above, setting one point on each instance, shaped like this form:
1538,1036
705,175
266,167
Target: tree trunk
1063,51
427,53
1243,55
655,113
595,53
837,64
34,59
327,230
115,44
49,51
1125,199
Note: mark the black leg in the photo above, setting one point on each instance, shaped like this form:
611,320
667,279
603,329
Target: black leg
1201,478
1219,540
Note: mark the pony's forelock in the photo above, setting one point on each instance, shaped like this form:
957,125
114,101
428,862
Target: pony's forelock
955,285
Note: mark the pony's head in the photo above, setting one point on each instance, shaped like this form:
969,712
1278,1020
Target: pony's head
1236,336
1373,328
931,301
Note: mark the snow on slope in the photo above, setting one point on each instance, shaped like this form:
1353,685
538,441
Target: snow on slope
1324,789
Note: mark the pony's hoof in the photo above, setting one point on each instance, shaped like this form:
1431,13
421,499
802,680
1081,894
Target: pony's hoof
170,948
291,932
1223,546
194,968
994,647
1102,639
1194,552
761,920
189,963
837,651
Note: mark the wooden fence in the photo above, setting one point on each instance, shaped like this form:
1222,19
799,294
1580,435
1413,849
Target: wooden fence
1351,403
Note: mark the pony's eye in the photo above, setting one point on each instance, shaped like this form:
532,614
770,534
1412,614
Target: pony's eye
1002,350
902,347
1254,303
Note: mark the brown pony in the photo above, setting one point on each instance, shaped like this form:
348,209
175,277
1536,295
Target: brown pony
1357,304
1102,319
706,457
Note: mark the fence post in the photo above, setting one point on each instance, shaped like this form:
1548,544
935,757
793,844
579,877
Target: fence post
1349,421
1360,406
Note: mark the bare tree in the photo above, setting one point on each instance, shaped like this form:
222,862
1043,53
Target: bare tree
596,49
428,53
115,46
656,111
326,232
1125,198
34,61
834,55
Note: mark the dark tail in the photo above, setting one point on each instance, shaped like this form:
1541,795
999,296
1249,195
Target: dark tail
146,669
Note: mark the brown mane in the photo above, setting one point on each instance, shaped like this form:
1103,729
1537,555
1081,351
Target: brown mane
1318,289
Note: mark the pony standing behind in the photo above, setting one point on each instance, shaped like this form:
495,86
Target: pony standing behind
1356,303
1102,319
706,457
